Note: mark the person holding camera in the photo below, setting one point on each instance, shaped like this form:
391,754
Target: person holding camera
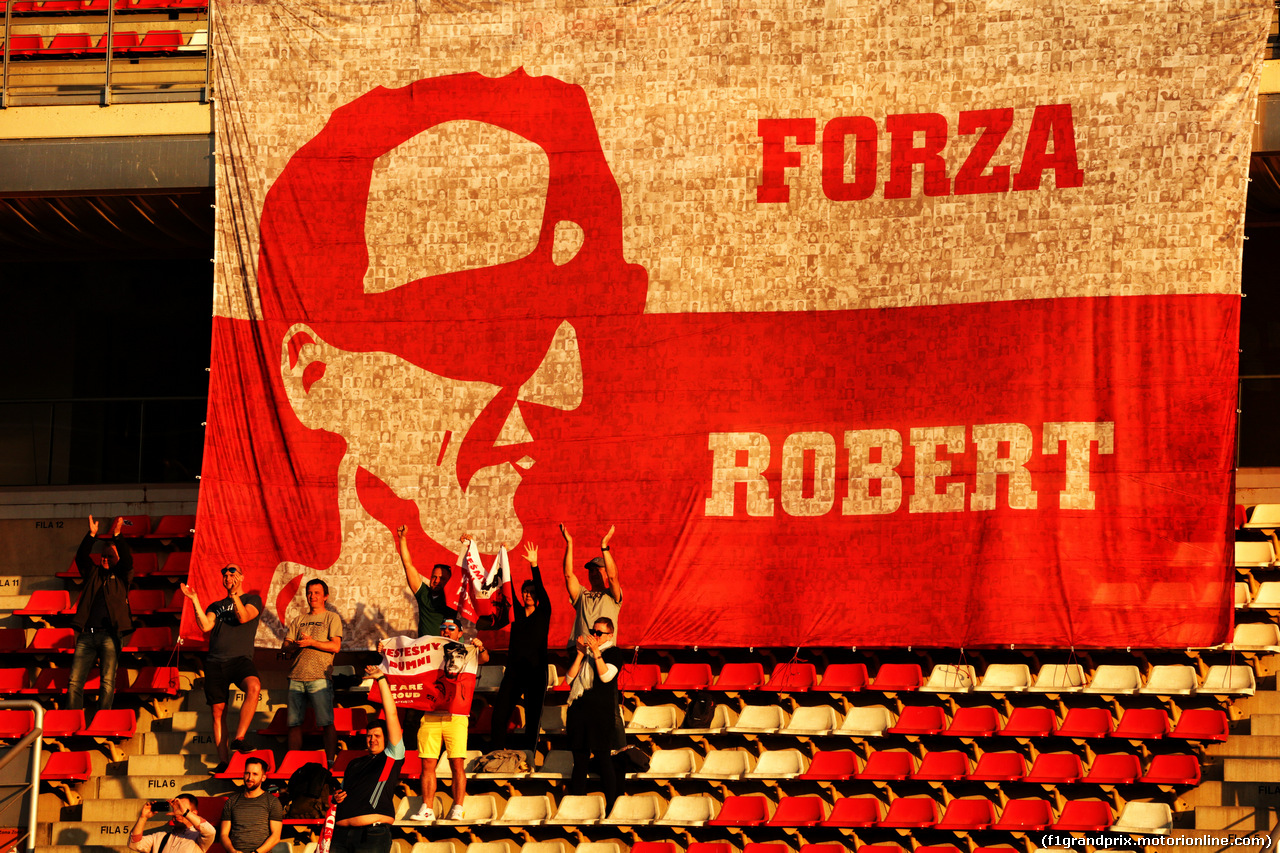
186,832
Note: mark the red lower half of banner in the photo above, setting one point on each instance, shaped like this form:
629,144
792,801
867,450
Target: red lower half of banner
1050,472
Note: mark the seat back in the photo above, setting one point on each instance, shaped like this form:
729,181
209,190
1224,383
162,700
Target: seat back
836,764
1056,768
1119,768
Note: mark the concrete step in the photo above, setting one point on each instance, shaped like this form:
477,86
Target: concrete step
1262,702
1259,770
84,833
1265,724
1200,840
184,721
159,787
172,743
1247,746
1240,819
116,810
1213,793
170,765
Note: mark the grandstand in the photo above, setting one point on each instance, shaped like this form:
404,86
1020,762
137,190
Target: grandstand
107,170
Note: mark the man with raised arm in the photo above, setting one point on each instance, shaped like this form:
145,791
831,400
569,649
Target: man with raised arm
231,624
432,609
187,832
315,636
252,819
366,803
102,613
603,595
525,679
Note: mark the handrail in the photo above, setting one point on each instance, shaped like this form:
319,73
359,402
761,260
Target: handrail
32,739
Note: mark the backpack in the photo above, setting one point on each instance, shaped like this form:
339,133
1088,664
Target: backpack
310,788
499,761
700,712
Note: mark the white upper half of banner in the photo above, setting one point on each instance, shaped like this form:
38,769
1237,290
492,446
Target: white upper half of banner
779,156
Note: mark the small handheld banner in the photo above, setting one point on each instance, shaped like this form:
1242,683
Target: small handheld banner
326,836
476,587
430,673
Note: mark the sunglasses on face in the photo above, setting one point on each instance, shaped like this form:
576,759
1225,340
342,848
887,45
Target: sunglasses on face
229,571
595,633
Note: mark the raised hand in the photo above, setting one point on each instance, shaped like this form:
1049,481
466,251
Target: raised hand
93,527
187,591
564,531
531,553
605,541
115,528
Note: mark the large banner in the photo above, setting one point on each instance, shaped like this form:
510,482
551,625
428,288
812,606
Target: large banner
864,323
432,674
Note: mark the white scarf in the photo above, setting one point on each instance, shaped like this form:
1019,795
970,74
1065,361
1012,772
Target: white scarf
586,677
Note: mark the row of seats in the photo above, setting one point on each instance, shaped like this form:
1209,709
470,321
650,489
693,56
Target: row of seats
124,43
1204,724
142,602
147,564
59,641
66,7
120,723
148,679
796,677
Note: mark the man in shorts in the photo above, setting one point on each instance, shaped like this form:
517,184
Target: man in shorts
231,624
315,637
447,729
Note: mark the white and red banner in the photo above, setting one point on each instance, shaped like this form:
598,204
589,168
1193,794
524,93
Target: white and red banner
865,324
430,673
478,588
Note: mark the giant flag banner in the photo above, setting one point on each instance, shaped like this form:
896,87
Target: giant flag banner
871,323
430,673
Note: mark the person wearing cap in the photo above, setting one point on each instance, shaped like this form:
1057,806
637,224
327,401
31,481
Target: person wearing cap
231,624
442,728
432,608
603,595
102,613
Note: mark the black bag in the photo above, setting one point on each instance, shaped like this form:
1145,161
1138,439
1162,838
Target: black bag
700,712
310,788
632,759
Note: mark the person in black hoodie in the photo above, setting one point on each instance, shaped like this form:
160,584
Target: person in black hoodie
102,613
525,680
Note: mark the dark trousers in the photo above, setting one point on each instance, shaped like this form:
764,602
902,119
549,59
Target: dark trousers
523,684
100,645
374,838
591,738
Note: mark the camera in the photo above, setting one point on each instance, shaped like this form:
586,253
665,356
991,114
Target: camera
159,806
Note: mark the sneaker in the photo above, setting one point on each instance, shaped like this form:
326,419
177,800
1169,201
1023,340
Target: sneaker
423,814
220,767
237,745
455,813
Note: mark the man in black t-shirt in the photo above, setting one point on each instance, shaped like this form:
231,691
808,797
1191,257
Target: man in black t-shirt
430,595
102,613
366,803
231,624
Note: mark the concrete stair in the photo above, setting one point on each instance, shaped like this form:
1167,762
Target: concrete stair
157,787
1244,800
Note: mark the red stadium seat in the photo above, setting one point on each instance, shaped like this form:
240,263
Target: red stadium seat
16,724
122,41
832,765
113,723
750,810
999,767
55,681
24,46
792,677
295,759
53,641
1085,723
1055,768
12,640
1119,768
982,721
670,847
1027,815
740,676
61,6
412,769
1202,724
1173,770
175,603
173,526
855,812
134,525
15,681
352,721
943,766
639,676
767,847
235,769
344,758
888,765
176,565
67,44
154,679
894,677
145,602
21,6
843,678
920,720
1030,722
1143,724
799,811
46,602
1084,816
807,848
968,814
210,808
63,723
941,848
67,767
911,813
149,640
688,676
279,725
160,41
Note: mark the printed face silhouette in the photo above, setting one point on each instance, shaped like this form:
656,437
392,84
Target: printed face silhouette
464,229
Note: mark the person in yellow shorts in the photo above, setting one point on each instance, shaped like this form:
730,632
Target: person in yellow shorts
447,730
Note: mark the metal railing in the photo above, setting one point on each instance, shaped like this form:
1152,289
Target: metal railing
33,741
162,54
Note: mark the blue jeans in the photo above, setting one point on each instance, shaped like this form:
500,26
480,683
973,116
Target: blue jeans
102,645
321,693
